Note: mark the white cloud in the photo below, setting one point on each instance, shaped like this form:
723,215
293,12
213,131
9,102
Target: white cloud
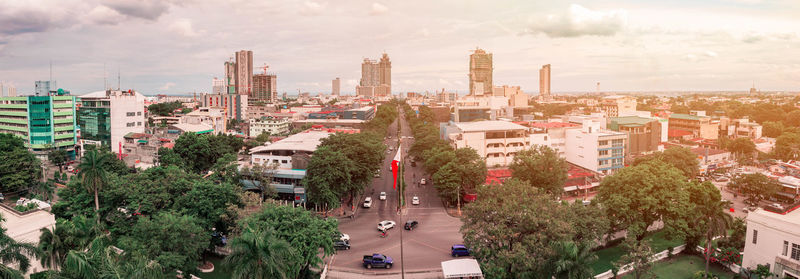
711,54
378,9
580,21
311,8
183,26
167,86
103,15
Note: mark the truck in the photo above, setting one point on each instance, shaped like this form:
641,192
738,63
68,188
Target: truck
378,260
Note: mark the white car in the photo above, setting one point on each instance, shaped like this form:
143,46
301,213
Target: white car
422,181
415,200
344,237
385,225
383,196
368,202
378,174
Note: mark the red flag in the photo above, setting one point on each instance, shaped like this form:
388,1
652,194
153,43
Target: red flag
396,166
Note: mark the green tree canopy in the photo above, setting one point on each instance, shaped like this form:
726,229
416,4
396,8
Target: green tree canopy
310,237
174,241
198,153
755,187
164,109
541,167
258,254
681,158
328,177
460,176
772,129
787,146
19,168
635,197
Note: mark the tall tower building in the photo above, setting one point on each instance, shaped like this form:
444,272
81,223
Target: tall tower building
336,85
480,73
265,88
230,77
376,77
244,72
544,82
385,73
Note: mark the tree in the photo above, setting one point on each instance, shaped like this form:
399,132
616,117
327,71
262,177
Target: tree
709,214
263,137
635,197
13,252
573,261
639,255
437,157
58,157
328,175
742,147
679,157
541,167
164,109
76,234
792,118
755,187
19,168
311,237
261,175
772,129
259,254
198,153
174,241
787,146
93,175
209,202
513,221
461,175
366,153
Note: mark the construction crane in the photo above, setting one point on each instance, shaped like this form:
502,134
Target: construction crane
265,68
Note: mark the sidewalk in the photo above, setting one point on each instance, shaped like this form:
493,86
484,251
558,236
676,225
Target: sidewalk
394,272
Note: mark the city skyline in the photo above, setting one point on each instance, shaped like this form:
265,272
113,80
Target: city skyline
177,47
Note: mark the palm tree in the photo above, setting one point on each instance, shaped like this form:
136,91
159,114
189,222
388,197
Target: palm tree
13,252
259,254
93,175
573,260
712,213
53,245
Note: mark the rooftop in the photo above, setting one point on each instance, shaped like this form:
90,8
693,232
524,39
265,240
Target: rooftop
488,125
186,127
702,151
684,116
344,121
788,221
461,268
548,125
631,120
303,141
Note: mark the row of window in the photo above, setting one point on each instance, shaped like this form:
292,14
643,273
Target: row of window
133,124
139,113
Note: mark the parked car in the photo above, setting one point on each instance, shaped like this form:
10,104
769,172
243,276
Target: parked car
459,250
368,202
415,200
341,245
344,237
422,181
385,225
378,260
382,196
410,225
378,174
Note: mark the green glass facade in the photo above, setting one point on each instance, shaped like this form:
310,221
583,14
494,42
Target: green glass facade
44,122
94,119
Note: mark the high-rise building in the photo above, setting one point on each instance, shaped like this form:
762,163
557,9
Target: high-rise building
230,77
376,77
43,122
336,85
480,73
12,91
244,72
218,86
105,117
265,88
42,87
544,83
234,105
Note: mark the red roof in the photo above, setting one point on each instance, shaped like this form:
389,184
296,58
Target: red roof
678,133
496,177
165,140
169,145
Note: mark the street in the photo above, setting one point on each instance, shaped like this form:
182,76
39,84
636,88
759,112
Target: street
419,251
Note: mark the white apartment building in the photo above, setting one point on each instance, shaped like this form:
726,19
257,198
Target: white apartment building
773,239
595,148
616,106
551,134
281,152
106,117
495,141
271,125
212,116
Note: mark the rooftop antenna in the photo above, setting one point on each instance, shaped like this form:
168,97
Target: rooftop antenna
118,78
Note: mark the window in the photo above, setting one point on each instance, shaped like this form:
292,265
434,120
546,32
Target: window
139,113
785,247
795,252
603,152
131,114
602,142
138,123
755,236
284,161
131,124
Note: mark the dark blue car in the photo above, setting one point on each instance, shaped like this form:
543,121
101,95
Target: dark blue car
459,250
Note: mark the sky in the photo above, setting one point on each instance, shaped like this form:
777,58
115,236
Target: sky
179,46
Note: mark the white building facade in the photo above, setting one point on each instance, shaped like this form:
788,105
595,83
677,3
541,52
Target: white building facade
596,149
773,239
271,125
495,141
212,116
